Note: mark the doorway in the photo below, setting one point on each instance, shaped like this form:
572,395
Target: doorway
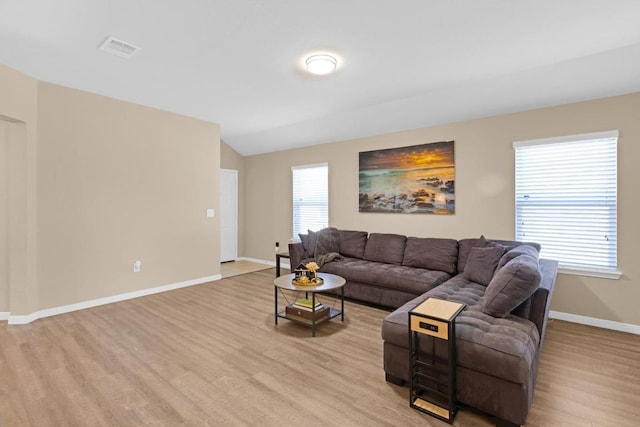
14,261
228,215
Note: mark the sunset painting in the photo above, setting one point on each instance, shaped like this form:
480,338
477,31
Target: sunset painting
415,179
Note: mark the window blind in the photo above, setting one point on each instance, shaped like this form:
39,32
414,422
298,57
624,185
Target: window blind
566,199
310,198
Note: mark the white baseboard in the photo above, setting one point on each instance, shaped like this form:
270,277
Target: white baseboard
21,320
4,315
258,261
593,321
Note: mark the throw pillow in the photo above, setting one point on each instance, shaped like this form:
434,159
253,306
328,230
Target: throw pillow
313,238
304,239
511,286
464,249
482,263
327,241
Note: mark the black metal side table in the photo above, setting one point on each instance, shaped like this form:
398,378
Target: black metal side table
278,256
432,353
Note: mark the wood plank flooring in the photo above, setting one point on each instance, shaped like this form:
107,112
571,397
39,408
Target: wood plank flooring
235,268
211,355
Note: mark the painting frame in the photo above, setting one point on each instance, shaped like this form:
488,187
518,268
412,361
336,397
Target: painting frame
414,179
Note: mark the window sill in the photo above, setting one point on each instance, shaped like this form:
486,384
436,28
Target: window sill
591,272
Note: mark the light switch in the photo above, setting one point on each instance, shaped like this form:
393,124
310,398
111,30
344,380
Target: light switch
210,213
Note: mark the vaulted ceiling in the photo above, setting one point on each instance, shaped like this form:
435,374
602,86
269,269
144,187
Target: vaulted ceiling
402,64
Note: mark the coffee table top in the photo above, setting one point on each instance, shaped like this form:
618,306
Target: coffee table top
331,281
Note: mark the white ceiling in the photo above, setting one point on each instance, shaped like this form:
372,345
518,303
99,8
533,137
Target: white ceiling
403,64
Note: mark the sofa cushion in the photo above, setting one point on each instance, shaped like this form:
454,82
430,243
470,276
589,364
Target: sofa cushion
457,289
431,253
511,285
386,248
406,279
500,347
523,249
482,263
352,243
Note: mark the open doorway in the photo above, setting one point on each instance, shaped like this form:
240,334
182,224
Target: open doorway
228,215
13,215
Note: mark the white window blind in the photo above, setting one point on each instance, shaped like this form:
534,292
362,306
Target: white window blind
310,198
566,199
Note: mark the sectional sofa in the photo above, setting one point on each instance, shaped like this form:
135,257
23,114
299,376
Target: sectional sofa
507,290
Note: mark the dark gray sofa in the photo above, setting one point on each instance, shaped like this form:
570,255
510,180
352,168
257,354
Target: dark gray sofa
499,335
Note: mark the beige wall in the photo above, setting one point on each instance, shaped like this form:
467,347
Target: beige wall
484,192
95,184
230,159
117,183
18,111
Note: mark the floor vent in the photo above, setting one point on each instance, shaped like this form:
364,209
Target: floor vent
118,47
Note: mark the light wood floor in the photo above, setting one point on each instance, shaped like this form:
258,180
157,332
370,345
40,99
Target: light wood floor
235,268
211,355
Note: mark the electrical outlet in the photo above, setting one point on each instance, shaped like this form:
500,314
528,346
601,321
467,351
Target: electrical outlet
277,246
137,266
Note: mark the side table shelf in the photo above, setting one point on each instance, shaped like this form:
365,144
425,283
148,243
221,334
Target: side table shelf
432,353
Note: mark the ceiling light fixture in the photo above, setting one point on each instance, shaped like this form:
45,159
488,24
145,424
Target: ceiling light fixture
321,64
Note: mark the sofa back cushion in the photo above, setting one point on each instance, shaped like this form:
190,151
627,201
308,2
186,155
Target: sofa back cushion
482,262
387,248
511,285
352,243
515,252
432,254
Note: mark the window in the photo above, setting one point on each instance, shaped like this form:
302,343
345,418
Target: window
566,200
310,198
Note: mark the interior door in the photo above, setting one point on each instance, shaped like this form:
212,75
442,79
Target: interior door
228,215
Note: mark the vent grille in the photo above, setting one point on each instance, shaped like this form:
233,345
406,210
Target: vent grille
118,47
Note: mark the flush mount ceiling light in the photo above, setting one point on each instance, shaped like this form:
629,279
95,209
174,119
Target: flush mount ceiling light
321,64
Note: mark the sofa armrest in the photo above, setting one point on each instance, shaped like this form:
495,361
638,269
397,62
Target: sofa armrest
296,254
541,299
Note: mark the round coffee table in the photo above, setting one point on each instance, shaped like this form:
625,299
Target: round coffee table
330,282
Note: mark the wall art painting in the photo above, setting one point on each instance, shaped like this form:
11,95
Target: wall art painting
414,179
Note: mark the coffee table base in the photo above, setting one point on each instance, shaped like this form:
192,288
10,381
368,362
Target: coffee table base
334,312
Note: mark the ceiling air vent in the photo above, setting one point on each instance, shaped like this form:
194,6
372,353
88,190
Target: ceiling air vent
118,47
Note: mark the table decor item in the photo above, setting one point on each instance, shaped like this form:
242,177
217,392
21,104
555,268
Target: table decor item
307,276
